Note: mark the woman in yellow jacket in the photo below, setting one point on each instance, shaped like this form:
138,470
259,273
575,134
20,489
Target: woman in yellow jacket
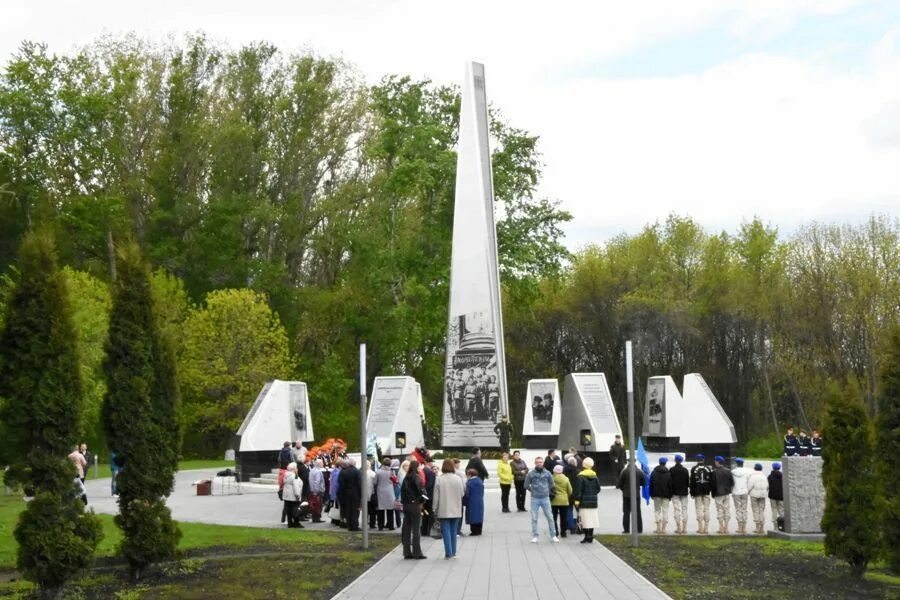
560,502
505,474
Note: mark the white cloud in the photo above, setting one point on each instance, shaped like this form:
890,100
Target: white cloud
763,135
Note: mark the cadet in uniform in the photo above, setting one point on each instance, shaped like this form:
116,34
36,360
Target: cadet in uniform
740,494
776,495
791,445
815,448
681,482
701,476
722,484
758,487
661,492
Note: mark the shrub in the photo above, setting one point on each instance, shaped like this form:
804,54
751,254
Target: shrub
851,488
139,416
888,435
41,404
763,447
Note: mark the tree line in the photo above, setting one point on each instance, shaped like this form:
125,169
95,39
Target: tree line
290,212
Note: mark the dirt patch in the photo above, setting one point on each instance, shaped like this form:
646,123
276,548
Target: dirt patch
700,568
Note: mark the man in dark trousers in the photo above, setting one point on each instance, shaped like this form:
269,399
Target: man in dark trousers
427,510
681,487
617,454
303,475
776,497
661,492
700,489
475,463
627,492
350,494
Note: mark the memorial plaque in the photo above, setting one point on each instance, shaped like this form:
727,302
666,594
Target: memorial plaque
475,377
587,405
542,408
395,407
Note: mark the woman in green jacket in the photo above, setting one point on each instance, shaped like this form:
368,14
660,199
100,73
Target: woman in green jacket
505,474
560,502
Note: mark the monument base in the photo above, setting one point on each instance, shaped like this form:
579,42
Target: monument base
254,464
540,442
797,537
710,451
661,444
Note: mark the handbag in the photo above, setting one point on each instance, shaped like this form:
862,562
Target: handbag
436,530
398,505
335,513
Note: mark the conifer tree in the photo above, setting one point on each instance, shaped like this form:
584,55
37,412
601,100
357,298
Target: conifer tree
888,438
139,416
40,405
850,520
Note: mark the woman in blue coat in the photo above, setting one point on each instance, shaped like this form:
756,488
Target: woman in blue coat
474,502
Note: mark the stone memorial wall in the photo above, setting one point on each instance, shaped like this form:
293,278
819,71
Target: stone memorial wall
804,494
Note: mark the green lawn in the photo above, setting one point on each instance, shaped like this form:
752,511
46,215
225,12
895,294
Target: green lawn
215,561
700,567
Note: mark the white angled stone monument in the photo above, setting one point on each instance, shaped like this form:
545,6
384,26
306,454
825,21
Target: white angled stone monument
587,407
281,413
542,413
662,414
395,407
475,377
705,427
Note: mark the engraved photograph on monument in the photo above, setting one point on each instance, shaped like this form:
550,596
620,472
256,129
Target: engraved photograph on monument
542,414
662,414
298,411
475,372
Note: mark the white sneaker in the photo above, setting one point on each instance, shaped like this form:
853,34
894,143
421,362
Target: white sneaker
555,540
534,540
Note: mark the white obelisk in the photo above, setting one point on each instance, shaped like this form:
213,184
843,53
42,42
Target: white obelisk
475,394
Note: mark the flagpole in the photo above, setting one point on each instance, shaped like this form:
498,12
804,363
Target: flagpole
632,471
363,466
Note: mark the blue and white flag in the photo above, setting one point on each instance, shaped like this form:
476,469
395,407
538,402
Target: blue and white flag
642,458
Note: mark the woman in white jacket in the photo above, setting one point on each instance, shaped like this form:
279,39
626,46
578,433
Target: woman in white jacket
758,488
292,493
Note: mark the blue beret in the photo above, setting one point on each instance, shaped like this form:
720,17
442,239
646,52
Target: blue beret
701,457
776,466
739,461
679,458
663,460
719,459
757,467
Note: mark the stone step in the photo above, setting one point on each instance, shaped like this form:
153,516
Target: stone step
264,481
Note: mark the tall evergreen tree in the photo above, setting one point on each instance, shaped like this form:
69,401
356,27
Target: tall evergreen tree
850,521
40,407
888,436
139,416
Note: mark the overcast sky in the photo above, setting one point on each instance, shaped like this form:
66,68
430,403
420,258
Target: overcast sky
788,110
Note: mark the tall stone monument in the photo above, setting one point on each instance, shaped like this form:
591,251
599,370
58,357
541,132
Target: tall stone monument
705,427
475,378
589,415
662,414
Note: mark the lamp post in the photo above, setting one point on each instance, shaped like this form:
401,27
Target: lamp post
362,447
632,471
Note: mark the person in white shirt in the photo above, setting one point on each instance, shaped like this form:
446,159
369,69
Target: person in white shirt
758,489
739,494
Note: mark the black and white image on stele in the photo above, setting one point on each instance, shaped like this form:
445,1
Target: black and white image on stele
298,408
656,397
663,410
542,410
475,395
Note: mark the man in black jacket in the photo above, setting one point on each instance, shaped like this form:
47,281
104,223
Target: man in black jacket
681,486
552,460
627,491
815,444
776,495
475,463
791,445
722,484
661,492
350,494
427,510
701,485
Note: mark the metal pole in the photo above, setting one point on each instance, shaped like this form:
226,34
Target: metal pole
363,468
96,468
632,465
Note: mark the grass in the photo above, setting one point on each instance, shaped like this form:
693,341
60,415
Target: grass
214,561
696,567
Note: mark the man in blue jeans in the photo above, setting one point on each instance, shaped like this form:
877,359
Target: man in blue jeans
539,482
